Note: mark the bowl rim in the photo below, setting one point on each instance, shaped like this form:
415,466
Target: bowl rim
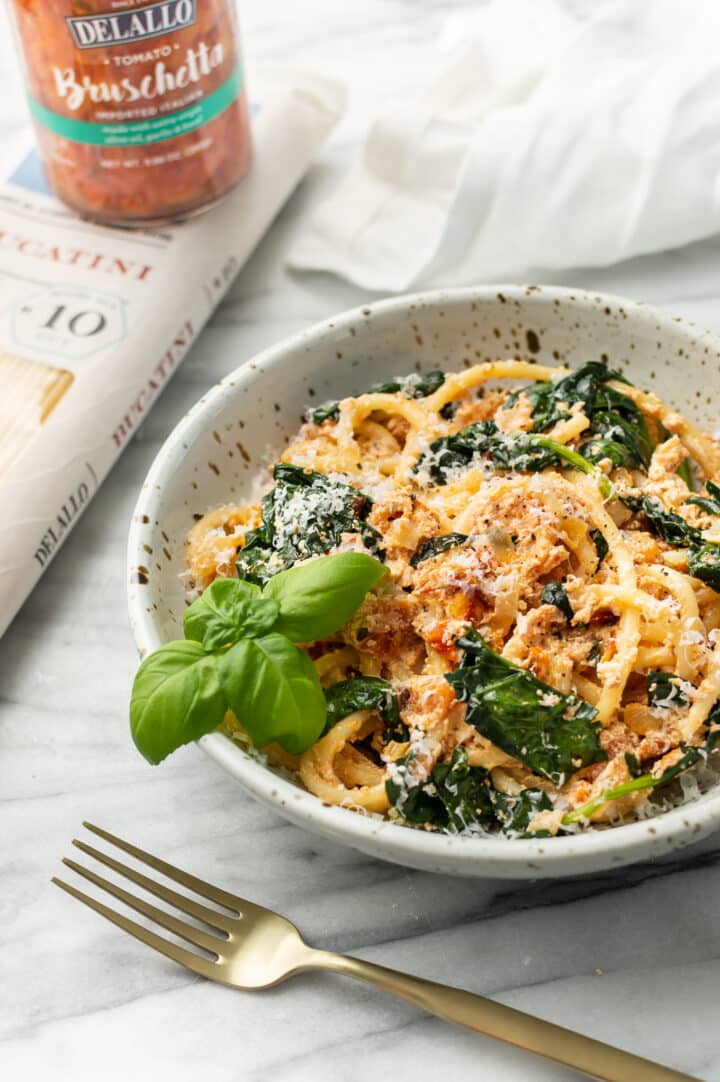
383,838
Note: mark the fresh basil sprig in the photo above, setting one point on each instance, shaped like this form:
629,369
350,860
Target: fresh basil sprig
176,698
230,609
239,654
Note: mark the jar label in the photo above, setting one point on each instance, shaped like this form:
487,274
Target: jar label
141,132
108,29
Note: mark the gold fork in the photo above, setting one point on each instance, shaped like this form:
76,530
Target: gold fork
249,947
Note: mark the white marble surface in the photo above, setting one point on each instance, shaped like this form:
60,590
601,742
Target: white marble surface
631,958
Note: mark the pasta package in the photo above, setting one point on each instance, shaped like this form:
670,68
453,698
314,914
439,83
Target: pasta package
95,320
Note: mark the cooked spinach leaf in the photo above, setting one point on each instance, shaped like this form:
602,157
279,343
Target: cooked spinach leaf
554,593
484,440
435,545
668,525
634,768
637,784
709,503
419,803
552,733
617,427
684,472
663,690
712,507
463,790
601,546
689,757
713,737
703,556
365,693
514,813
305,514
527,452
449,410
328,411
454,796
704,564
595,653
617,438
412,386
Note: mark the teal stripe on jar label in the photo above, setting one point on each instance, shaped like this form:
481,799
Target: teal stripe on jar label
141,132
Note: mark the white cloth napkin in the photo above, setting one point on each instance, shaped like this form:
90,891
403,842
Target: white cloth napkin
545,142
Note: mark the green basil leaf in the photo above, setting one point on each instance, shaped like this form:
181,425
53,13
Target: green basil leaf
320,596
228,610
272,688
176,698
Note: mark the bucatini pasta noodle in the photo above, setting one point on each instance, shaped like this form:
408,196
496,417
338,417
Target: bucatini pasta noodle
543,652
32,390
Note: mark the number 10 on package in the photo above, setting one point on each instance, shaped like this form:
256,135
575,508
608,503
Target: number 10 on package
74,322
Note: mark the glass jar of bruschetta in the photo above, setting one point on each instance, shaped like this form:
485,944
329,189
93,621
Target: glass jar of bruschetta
140,108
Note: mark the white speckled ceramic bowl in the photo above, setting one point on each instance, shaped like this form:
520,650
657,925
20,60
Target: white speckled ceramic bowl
214,453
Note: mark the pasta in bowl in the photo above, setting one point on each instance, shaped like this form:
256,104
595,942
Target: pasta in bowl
542,651
535,662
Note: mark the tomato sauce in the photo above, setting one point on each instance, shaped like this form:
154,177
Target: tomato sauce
140,108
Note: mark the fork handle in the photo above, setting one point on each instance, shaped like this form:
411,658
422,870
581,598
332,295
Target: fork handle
592,1058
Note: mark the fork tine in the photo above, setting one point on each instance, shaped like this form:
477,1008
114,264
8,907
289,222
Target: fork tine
177,954
187,932
211,917
206,890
